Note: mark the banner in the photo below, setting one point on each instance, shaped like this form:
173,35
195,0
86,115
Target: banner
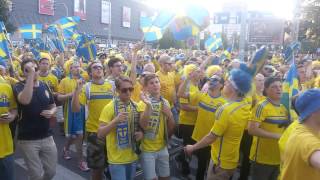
80,9
266,31
126,16
105,11
46,7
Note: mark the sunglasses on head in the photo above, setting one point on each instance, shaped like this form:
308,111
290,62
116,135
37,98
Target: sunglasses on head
125,90
97,67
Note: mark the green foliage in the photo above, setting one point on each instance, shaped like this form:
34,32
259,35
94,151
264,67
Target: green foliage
309,30
4,16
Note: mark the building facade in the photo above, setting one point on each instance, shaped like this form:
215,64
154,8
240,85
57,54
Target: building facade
125,16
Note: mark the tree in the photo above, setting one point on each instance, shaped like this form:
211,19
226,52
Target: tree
309,30
168,41
4,15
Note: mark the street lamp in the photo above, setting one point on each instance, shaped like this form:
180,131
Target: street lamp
65,7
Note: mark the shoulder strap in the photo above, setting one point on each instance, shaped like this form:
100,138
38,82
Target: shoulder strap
88,87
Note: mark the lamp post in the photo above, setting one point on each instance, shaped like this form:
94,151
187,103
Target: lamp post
65,7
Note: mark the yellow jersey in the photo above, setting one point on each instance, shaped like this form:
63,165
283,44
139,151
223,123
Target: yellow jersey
271,118
7,102
230,123
167,89
136,91
96,97
301,144
159,142
51,80
189,117
207,107
317,82
115,154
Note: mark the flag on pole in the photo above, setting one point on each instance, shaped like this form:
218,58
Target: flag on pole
68,22
258,61
31,31
4,44
290,87
87,48
214,42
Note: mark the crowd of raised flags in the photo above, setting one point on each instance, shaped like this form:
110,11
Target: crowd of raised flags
178,85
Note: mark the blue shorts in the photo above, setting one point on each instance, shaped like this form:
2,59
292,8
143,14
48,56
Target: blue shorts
7,168
123,171
155,164
75,121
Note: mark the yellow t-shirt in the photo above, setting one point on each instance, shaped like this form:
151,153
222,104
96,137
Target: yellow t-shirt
51,80
317,82
207,107
115,154
7,102
136,92
230,123
12,81
266,150
189,117
167,86
159,142
286,134
301,144
99,96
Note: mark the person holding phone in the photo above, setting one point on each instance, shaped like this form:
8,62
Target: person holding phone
8,113
36,107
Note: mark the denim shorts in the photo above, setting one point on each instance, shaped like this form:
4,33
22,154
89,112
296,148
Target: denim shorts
7,168
123,171
155,164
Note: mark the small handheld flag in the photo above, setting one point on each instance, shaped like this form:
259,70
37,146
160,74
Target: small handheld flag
214,42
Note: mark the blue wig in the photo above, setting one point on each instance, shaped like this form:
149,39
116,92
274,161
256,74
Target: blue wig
241,79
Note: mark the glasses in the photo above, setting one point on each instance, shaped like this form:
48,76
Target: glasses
97,67
125,90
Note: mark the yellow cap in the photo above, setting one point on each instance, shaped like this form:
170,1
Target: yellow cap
44,55
211,70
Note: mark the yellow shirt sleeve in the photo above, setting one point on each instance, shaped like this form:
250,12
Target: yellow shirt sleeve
221,122
258,113
61,87
12,100
308,147
107,113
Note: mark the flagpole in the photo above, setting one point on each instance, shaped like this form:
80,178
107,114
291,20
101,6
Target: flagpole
11,46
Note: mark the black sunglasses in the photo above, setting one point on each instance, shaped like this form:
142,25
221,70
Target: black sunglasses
125,90
97,67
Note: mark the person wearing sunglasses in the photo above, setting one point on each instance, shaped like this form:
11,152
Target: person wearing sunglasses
119,124
74,121
207,104
158,125
35,140
95,95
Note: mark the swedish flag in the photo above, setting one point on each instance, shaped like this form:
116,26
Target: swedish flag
214,42
4,45
87,48
68,22
258,61
153,27
31,31
198,14
182,28
290,86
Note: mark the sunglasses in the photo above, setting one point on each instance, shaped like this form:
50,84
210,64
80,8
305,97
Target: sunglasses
97,67
125,90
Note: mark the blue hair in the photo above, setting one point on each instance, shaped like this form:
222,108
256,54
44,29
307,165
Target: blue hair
242,80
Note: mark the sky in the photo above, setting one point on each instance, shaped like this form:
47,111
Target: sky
280,8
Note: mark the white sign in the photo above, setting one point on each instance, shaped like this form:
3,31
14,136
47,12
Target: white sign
105,11
126,16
